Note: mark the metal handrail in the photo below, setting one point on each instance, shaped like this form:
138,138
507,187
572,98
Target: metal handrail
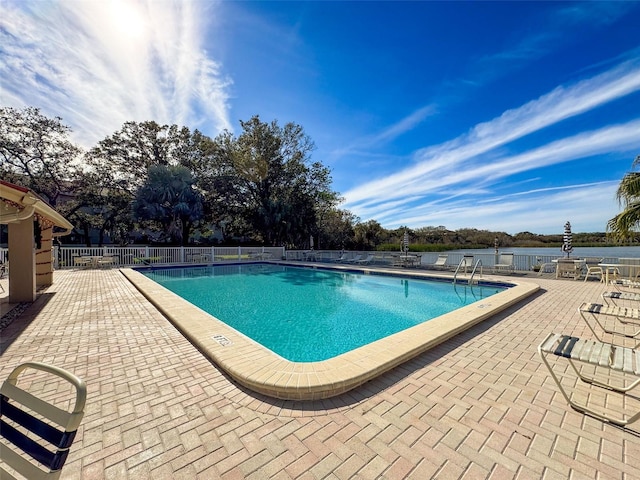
475,267
463,261
473,270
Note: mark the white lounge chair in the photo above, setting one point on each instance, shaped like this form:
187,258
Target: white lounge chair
343,258
355,259
627,320
602,357
365,261
611,297
440,263
505,263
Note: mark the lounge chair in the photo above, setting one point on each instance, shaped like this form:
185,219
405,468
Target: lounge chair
365,261
601,356
611,297
41,452
440,263
625,319
355,259
594,268
505,263
343,258
624,283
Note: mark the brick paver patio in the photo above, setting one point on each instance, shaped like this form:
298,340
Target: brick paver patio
481,405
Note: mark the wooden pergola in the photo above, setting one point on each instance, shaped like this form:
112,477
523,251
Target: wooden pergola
32,225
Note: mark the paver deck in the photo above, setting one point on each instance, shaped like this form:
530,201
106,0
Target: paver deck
481,405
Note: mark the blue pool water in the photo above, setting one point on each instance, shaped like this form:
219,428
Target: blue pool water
305,314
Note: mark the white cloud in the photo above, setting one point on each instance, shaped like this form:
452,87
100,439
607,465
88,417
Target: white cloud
539,211
453,156
99,64
362,146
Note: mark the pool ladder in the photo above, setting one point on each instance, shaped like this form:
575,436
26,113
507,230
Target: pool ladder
467,261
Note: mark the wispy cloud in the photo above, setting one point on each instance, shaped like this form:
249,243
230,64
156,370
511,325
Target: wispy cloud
388,134
99,64
541,210
462,161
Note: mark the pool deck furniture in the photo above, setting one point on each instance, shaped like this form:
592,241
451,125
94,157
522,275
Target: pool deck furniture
268,256
355,259
625,270
505,263
604,357
611,297
569,267
410,260
610,272
366,261
594,269
82,261
481,404
342,258
626,321
107,261
440,263
38,433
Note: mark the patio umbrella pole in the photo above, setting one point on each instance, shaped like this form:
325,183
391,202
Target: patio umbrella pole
566,240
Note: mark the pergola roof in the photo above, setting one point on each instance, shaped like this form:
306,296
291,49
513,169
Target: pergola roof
18,203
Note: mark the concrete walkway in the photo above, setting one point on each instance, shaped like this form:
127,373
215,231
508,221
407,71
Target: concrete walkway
481,405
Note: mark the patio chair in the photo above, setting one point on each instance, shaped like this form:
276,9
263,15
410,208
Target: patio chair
505,263
83,262
593,268
625,319
569,267
37,434
602,357
440,263
107,261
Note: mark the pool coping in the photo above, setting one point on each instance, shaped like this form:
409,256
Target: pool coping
263,371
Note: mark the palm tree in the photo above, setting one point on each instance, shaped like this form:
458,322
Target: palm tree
624,225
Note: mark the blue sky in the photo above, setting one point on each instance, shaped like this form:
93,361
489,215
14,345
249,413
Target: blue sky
506,116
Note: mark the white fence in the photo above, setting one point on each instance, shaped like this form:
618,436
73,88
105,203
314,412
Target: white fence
487,260
67,256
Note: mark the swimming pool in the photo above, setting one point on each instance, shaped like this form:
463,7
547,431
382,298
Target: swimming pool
261,370
309,315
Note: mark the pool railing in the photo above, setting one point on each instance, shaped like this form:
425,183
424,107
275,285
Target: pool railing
140,255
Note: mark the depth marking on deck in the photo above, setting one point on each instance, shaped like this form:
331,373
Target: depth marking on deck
222,340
